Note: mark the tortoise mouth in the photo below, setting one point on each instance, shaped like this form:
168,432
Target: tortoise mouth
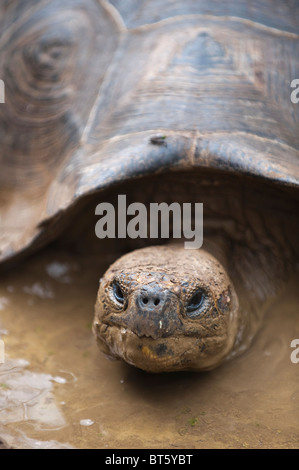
146,352
163,354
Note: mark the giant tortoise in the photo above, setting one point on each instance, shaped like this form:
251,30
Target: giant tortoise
159,101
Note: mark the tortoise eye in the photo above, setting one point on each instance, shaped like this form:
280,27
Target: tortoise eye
118,293
195,303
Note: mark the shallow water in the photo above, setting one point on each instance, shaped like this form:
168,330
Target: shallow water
57,390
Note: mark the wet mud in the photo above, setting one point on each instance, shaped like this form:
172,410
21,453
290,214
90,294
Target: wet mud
58,391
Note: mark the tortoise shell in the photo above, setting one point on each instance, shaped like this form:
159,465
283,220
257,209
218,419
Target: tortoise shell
98,93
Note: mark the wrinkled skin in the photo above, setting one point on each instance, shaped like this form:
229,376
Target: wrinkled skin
167,309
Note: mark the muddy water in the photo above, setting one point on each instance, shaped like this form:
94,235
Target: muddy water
57,390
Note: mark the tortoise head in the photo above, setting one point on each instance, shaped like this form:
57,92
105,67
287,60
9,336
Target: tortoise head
166,309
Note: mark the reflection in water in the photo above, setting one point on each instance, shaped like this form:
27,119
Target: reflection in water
64,393
27,396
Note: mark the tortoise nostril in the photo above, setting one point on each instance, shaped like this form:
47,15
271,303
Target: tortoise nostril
151,298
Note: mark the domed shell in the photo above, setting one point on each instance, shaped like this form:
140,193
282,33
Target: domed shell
100,92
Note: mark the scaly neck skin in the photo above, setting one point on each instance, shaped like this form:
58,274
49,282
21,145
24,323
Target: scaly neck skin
259,265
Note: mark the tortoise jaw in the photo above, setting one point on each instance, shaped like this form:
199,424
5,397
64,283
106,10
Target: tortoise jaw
174,353
145,352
